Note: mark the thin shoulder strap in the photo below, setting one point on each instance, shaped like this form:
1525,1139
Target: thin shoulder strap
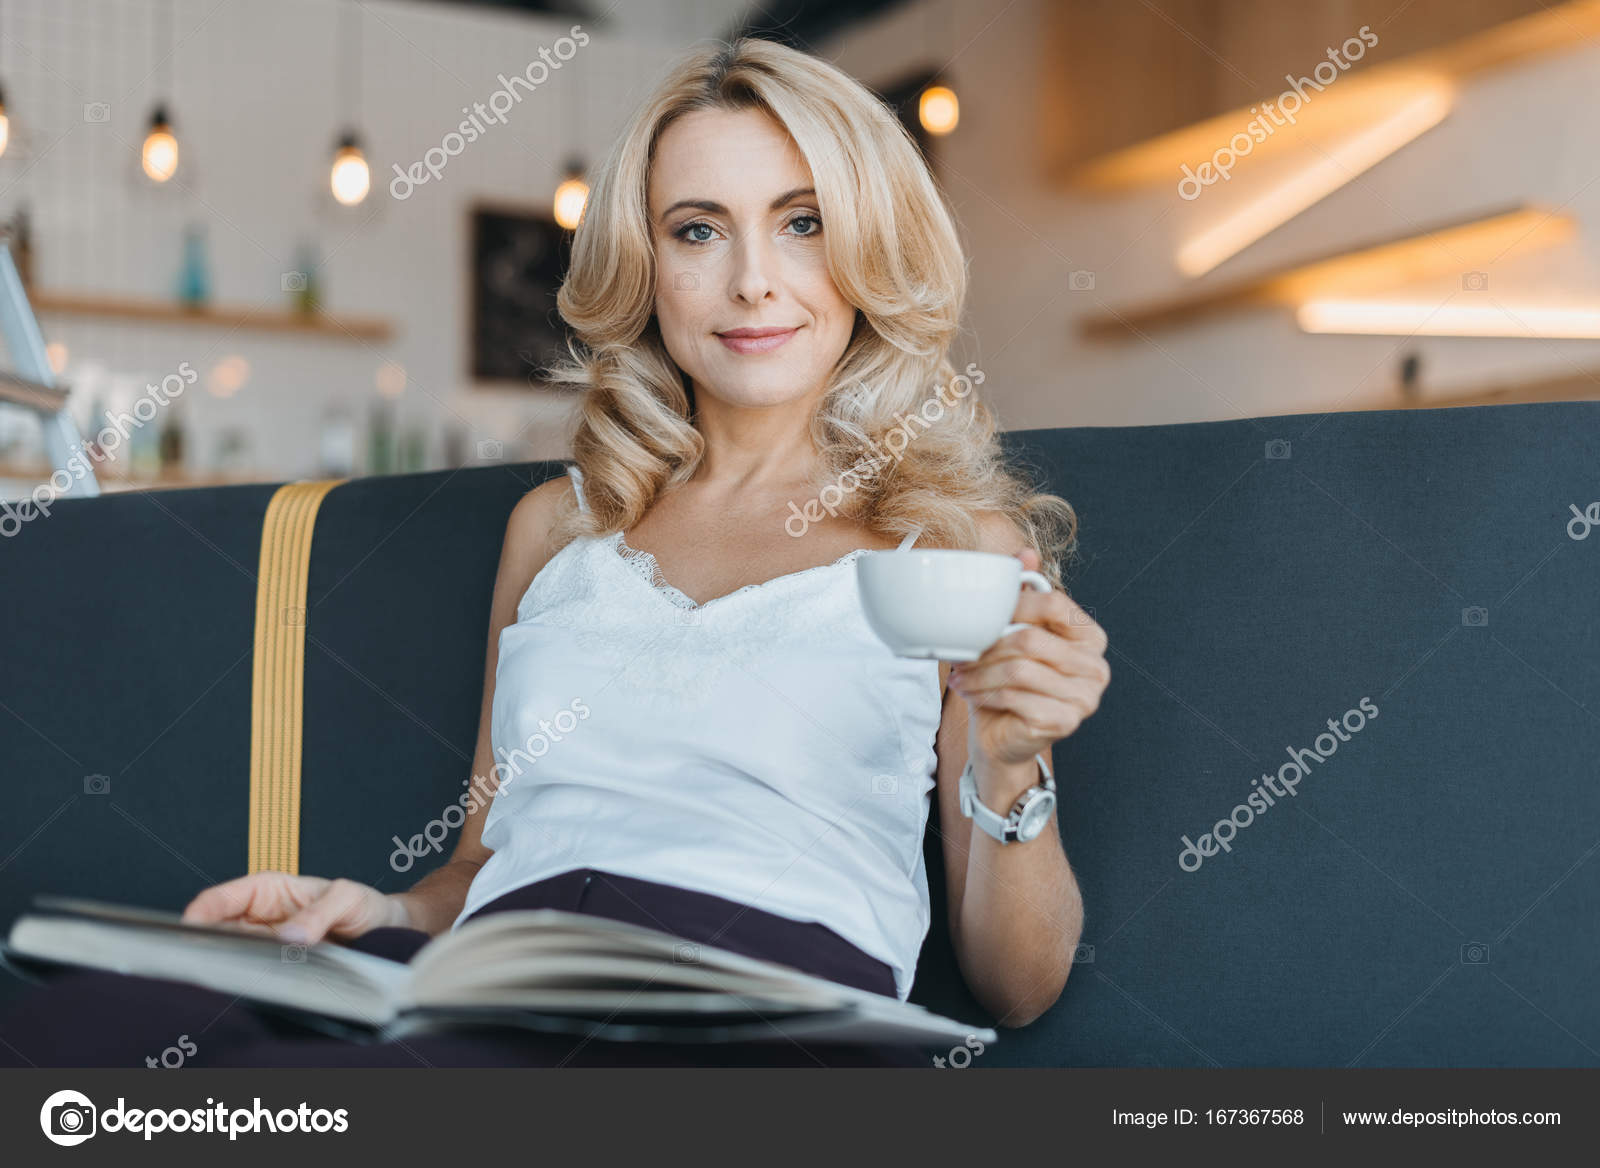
576,476
905,544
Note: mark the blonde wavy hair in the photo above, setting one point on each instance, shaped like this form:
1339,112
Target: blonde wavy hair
892,250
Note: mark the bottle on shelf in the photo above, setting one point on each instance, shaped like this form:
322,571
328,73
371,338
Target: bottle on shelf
305,283
194,280
21,238
380,440
337,444
170,443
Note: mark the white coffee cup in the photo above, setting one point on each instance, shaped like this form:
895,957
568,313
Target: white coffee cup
945,604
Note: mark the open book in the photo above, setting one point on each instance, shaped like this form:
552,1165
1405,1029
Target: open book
542,969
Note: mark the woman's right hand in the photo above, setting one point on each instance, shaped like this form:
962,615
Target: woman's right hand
301,909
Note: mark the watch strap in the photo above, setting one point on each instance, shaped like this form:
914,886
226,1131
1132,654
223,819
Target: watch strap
1001,827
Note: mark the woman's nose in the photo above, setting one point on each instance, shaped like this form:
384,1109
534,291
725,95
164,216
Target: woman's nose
752,268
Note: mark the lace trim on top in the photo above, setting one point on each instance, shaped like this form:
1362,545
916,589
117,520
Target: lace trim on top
649,570
644,563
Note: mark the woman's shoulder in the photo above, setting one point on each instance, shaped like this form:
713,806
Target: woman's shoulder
531,537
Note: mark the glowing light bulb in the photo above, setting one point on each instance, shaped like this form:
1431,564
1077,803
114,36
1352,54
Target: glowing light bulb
571,198
350,178
391,379
228,376
160,153
938,109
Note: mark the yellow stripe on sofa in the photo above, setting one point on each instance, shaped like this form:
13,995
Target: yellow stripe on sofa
277,687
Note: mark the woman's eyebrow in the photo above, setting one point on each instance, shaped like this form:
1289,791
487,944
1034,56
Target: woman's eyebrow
777,204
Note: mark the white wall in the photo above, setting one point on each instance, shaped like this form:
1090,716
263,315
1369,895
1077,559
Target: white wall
254,99
1522,135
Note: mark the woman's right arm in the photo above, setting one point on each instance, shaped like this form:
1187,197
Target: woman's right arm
307,908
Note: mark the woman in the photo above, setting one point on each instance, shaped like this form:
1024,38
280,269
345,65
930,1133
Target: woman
764,286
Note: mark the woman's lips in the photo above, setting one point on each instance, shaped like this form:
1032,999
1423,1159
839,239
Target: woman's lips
762,340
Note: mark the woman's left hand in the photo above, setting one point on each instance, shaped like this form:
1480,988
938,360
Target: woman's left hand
1036,685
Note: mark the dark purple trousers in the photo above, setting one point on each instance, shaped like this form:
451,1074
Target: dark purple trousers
91,1018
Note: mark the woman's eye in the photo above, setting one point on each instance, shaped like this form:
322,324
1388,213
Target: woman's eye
685,231
814,229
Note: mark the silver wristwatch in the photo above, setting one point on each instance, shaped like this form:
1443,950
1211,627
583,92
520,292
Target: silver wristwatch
1027,816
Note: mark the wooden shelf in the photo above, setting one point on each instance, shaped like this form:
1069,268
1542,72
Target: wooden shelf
259,319
1454,247
115,479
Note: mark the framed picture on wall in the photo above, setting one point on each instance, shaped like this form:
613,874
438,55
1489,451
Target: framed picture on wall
517,257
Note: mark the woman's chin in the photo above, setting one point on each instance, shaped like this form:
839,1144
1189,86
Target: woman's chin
753,391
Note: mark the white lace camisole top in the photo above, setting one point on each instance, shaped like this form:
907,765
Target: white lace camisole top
764,746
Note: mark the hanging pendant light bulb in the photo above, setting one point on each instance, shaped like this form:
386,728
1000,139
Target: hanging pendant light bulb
938,110
350,179
571,197
160,153
5,118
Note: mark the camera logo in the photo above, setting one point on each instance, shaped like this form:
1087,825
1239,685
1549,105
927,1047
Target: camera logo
1081,281
67,1118
96,111
293,281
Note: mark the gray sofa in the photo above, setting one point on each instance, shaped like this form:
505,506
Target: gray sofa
1406,604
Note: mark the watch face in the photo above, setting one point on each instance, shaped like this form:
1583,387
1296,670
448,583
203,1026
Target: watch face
1035,815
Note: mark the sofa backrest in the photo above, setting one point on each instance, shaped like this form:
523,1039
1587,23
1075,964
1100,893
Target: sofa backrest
1406,594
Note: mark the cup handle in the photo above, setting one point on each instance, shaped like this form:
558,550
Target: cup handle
1038,583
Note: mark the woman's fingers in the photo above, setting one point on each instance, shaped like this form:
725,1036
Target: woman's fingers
1062,615
1035,660
1054,716
345,908
293,908
262,898
232,900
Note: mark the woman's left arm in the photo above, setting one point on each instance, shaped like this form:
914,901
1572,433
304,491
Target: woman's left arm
1015,910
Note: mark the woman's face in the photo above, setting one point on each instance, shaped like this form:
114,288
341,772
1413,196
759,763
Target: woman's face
738,241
